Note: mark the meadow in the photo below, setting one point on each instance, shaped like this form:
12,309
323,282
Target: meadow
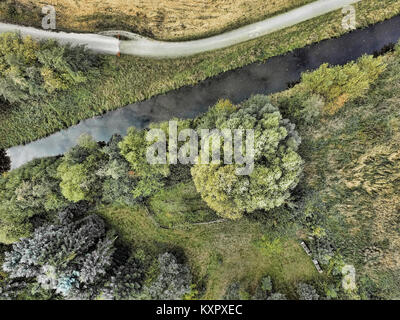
351,177
219,254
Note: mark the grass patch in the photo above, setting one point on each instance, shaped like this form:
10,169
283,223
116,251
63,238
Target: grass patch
180,205
129,79
218,254
352,166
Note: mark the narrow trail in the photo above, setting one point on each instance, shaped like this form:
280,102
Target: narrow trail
145,47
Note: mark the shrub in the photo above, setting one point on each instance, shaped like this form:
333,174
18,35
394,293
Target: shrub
264,288
266,284
339,84
397,49
173,281
233,291
277,165
277,296
307,292
32,71
312,108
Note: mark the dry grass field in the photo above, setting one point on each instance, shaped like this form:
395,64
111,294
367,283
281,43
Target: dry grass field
160,19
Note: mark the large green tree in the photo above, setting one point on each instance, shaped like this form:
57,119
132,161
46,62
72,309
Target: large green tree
135,147
78,171
277,165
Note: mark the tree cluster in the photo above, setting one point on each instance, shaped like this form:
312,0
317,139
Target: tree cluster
31,70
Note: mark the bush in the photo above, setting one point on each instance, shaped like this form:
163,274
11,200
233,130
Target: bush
324,91
173,281
266,284
312,108
233,291
397,49
277,165
307,292
339,84
277,296
31,71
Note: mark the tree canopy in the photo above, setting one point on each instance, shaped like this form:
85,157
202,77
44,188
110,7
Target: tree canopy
32,70
277,165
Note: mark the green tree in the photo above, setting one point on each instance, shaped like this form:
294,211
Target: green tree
31,70
150,177
118,182
216,115
78,171
72,257
277,165
29,195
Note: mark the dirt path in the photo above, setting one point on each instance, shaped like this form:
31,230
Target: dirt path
145,47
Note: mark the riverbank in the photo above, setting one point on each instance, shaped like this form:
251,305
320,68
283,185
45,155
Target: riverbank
127,80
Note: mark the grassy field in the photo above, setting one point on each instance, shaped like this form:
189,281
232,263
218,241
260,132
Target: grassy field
352,178
218,254
165,19
129,79
188,208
